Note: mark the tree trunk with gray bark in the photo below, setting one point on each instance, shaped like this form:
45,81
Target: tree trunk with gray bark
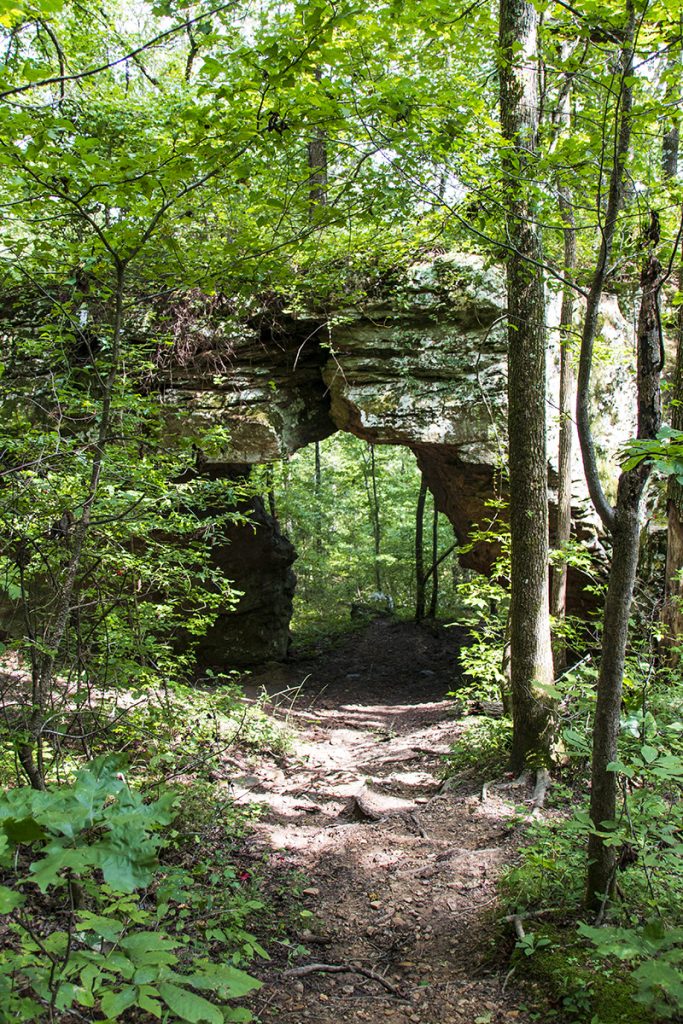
531,656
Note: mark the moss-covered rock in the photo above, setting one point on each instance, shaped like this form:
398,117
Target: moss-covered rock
580,987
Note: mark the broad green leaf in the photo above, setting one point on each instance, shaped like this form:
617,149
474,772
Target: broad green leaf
25,830
228,981
114,1003
9,899
147,1002
145,942
189,1006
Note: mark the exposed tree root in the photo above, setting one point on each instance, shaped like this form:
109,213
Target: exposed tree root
299,972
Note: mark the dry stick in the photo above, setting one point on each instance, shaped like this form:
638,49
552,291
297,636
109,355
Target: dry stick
299,972
519,927
526,914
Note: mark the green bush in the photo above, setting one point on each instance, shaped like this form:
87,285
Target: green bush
96,841
484,746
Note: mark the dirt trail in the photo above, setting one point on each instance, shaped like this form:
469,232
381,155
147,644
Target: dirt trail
401,875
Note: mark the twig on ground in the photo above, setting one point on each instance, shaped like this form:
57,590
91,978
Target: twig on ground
519,927
525,915
299,972
507,979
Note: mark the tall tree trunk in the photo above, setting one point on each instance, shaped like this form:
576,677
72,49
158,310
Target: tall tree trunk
558,597
373,507
419,552
622,521
317,491
602,858
532,666
434,601
317,163
673,589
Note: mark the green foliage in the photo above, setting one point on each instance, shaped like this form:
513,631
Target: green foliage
665,453
119,955
483,606
96,823
181,729
573,985
483,746
646,834
658,953
331,525
550,872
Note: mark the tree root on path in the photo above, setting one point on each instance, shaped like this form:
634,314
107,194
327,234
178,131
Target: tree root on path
299,972
541,785
543,781
516,920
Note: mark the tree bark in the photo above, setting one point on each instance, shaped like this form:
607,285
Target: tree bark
558,592
531,656
317,492
673,589
602,858
558,597
419,552
434,600
370,475
317,163
672,614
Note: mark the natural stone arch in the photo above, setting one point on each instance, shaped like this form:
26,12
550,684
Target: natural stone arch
422,366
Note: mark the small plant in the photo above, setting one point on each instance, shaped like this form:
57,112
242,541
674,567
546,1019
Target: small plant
531,943
484,746
658,954
96,842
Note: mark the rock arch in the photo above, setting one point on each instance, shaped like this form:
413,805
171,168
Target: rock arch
422,366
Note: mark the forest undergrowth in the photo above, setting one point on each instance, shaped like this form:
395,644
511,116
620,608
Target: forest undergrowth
139,883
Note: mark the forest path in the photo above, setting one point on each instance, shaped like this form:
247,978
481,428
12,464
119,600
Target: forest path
400,877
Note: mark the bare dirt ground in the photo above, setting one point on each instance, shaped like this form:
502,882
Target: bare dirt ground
400,875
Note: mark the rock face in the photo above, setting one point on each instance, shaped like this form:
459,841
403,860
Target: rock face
258,560
424,367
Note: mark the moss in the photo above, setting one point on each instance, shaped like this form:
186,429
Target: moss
584,990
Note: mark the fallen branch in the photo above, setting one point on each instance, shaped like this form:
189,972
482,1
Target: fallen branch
299,972
516,919
519,927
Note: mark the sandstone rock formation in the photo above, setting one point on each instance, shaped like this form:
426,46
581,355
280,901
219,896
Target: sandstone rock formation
424,366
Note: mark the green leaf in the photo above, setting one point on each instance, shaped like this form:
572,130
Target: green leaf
105,927
25,830
649,754
189,1006
145,942
228,981
114,1003
9,899
146,1000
